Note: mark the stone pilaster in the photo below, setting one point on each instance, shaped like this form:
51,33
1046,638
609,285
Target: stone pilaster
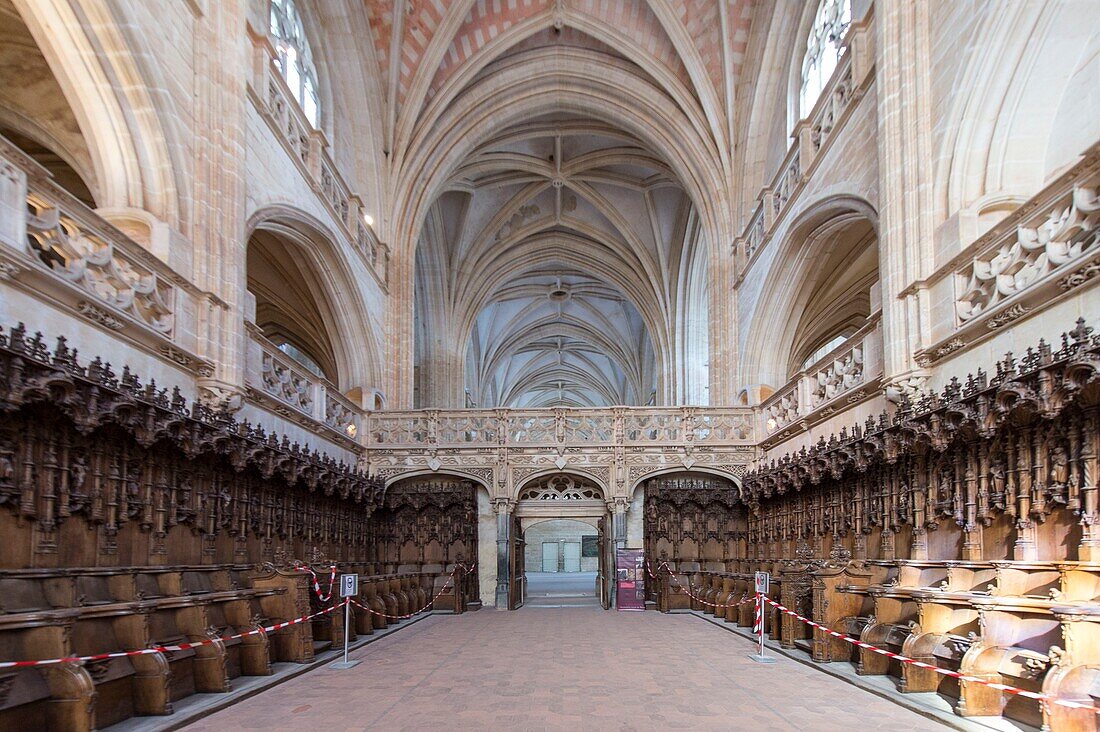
618,508
218,192
905,183
503,508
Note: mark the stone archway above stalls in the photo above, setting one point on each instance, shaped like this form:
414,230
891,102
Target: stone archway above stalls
562,487
693,517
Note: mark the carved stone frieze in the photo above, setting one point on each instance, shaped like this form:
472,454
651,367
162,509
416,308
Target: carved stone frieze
1056,239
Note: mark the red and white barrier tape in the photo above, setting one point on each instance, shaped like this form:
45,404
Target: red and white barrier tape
209,641
358,604
742,601
332,578
317,585
943,671
169,648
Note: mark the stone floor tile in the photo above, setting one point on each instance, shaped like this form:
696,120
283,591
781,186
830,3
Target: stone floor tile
563,669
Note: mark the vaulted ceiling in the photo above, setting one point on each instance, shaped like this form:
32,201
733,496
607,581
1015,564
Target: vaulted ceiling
428,51
562,259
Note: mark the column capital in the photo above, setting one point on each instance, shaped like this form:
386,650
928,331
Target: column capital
618,504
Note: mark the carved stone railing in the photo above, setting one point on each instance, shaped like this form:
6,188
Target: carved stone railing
562,427
310,151
812,136
59,250
278,382
783,408
755,232
507,448
845,376
1044,251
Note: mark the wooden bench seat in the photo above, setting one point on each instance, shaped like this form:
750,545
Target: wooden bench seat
1034,625
675,582
105,610
60,696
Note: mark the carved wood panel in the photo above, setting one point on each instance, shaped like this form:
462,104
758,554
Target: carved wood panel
693,517
428,519
991,468
98,469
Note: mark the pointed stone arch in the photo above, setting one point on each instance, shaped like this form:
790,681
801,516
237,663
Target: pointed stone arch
98,65
356,350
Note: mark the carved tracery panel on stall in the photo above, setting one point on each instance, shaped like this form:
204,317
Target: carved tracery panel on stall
693,517
100,469
428,520
959,530
993,468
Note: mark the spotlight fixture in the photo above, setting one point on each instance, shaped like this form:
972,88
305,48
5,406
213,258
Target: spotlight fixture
368,220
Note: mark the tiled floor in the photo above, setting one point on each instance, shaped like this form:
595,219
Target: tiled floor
568,668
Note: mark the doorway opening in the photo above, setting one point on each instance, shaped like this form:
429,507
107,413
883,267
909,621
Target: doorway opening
560,548
562,562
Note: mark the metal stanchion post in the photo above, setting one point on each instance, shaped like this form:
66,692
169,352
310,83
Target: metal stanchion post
347,624
349,588
763,579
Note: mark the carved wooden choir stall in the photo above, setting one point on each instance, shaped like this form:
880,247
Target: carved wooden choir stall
961,531
431,521
132,520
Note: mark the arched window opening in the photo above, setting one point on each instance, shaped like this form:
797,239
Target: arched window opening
301,357
64,174
823,50
827,346
839,290
295,58
36,116
291,310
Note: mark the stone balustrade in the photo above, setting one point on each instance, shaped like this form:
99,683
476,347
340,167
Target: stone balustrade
845,376
567,427
812,137
60,251
1042,252
615,446
282,385
309,149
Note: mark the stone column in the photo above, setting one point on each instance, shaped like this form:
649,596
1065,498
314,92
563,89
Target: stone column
618,508
722,336
905,184
441,377
503,508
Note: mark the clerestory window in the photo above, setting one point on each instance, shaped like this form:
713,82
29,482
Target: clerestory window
295,59
823,50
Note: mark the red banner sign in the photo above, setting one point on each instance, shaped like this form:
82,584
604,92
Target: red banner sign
630,579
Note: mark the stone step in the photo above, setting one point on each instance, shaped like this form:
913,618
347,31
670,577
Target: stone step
571,601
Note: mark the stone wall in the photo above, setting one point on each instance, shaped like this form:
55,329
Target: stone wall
558,531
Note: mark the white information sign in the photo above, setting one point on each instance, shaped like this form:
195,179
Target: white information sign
349,585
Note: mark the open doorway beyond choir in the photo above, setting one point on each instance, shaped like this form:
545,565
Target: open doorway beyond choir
561,589
562,563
